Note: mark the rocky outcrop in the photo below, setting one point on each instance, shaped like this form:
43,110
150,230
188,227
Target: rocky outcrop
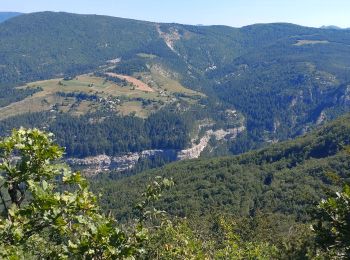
322,117
103,163
196,149
169,37
346,97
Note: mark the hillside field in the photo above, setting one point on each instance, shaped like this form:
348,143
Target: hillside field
88,93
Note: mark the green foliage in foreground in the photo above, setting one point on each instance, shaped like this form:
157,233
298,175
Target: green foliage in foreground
178,240
333,227
47,212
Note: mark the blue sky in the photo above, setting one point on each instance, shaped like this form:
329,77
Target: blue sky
227,12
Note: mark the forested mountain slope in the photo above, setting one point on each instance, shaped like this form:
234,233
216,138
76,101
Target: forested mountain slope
52,43
287,178
48,44
283,79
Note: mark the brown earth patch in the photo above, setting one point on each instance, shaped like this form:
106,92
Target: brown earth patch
138,83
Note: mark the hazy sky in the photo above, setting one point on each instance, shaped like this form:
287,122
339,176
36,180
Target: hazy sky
228,12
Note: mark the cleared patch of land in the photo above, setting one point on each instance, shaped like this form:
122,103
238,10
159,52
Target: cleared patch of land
170,84
36,103
88,93
83,94
162,81
86,84
309,42
134,107
138,83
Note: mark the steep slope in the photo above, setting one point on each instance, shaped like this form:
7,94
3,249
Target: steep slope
287,178
289,85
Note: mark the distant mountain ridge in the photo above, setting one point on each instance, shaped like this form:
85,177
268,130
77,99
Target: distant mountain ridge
7,15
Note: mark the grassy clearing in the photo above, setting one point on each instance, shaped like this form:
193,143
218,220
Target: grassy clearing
138,84
36,103
88,84
171,85
135,107
165,84
130,98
